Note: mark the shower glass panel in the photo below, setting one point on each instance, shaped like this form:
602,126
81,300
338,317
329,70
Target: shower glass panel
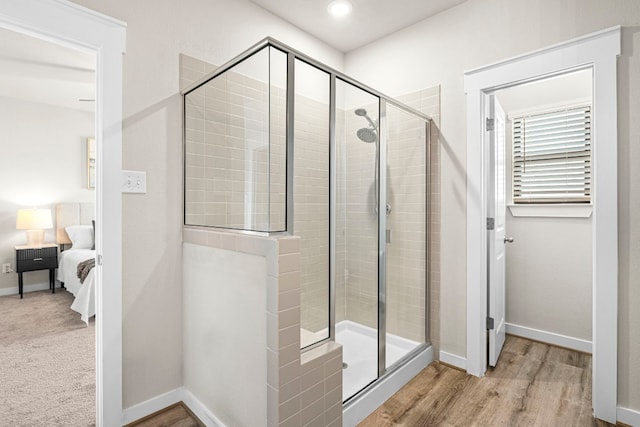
407,233
311,198
357,180
229,161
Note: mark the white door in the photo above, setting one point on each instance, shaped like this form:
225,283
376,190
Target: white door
496,238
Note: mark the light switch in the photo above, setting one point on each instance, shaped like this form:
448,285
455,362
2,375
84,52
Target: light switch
134,182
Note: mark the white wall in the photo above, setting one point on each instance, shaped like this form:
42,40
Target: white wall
157,32
43,162
479,32
225,343
548,279
549,282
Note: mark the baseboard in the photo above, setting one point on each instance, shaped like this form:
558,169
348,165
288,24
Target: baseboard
158,403
152,405
453,360
628,416
201,411
27,288
549,337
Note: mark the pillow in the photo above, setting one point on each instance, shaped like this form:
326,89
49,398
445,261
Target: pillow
93,235
81,236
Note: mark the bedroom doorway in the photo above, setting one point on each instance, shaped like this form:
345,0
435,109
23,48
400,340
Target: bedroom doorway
598,51
74,26
47,106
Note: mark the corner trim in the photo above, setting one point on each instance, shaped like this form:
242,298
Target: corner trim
162,401
200,411
453,360
550,338
155,404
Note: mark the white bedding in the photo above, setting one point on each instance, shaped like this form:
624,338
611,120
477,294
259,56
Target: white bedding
84,302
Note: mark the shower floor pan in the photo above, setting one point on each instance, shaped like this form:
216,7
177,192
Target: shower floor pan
360,354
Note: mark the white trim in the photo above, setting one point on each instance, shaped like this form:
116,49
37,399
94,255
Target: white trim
152,405
381,390
552,211
34,287
542,109
549,337
453,360
162,401
64,22
599,51
628,416
201,411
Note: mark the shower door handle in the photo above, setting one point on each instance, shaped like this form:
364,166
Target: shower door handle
388,236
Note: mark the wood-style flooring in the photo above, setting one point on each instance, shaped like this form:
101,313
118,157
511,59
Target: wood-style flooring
174,416
534,384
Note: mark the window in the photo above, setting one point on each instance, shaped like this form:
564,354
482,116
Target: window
552,157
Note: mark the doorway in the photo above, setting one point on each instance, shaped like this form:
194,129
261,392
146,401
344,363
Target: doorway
80,28
598,51
546,170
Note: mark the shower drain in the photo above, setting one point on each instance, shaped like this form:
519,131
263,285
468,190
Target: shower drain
344,365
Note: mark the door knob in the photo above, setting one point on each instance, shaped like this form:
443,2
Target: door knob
508,239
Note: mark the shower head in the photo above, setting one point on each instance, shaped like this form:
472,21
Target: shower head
363,113
367,135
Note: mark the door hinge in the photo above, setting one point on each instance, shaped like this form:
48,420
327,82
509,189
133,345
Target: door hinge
490,323
490,124
99,259
491,223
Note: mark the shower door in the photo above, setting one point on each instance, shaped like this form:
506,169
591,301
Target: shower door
356,238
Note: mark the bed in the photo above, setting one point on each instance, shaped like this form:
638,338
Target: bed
71,220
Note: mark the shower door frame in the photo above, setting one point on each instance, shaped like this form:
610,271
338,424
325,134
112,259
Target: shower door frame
384,100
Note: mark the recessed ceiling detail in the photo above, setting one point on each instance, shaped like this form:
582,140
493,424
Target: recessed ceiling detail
369,20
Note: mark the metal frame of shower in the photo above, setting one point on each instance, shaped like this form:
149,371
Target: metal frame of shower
292,55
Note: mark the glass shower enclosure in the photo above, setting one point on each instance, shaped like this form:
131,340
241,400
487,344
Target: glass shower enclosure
276,142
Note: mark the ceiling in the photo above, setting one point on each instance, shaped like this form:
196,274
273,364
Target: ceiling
38,71
369,20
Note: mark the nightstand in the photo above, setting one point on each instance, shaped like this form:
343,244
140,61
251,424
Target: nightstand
33,258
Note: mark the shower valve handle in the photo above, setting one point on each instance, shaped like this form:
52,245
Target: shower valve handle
508,239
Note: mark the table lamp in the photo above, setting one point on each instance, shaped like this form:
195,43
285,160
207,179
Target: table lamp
35,221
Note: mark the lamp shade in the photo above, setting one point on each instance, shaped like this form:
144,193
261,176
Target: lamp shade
34,219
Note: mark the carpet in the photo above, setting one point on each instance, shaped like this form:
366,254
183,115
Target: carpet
47,362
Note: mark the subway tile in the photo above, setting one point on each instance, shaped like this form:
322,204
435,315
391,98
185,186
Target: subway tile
288,263
289,336
273,369
289,281
312,394
289,354
289,372
333,412
290,390
293,421
312,377
312,411
289,408
289,318
273,405
273,335
288,299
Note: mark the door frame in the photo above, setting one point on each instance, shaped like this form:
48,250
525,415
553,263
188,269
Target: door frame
598,51
66,23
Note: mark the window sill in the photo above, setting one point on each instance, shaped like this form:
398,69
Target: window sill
552,211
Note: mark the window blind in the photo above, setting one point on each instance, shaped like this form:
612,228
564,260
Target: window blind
552,157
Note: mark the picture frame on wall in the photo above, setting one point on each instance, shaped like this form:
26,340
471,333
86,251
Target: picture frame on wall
91,163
